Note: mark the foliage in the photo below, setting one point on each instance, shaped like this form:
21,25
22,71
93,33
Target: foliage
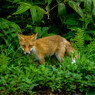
8,31
20,74
72,19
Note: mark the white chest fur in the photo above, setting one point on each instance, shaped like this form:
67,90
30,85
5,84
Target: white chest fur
33,50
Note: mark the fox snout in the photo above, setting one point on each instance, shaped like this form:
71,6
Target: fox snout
26,51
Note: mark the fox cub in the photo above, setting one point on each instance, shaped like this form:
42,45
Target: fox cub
51,45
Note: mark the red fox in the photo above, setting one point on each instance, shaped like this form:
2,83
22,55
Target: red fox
51,45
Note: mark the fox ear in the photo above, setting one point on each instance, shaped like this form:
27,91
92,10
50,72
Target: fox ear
35,36
20,36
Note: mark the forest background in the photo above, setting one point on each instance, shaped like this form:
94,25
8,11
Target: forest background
72,19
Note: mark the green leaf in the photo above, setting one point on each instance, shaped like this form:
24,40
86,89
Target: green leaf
22,8
93,12
51,34
76,7
40,13
90,92
44,32
15,26
71,22
29,26
61,11
1,34
14,1
37,29
91,84
49,2
37,13
33,85
94,3
5,24
87,37
88,5
58,1
33,13
91,31
46,1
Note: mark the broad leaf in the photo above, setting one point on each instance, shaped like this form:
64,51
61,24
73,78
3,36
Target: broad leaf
76,7
22,8
49,2
44,32
88,5
61,11
37,13
91,92
40,13
5,24
87,37
37,29
94,3
33,13
58,1
93,12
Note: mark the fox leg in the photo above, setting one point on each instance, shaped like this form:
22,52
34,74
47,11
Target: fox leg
60,55
42,60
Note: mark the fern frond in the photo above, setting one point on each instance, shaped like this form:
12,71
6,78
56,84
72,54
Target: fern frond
79,38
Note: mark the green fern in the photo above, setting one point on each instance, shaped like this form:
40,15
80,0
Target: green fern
4,60
91,49
79,38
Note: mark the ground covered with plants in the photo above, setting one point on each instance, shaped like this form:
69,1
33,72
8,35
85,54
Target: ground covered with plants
21,74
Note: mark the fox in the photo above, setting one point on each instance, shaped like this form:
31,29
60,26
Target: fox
50,45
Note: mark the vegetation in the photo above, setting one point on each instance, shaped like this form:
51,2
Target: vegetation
72,19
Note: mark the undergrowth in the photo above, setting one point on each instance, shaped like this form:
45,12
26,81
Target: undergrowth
20,73
73,20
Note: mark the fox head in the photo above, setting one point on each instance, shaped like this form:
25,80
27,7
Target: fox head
27,42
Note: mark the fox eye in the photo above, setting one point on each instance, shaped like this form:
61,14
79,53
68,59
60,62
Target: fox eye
30,45
23,45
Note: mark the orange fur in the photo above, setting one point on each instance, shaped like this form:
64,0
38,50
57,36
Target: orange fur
46,46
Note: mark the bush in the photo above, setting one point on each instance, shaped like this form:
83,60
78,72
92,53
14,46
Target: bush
72,19
20,75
